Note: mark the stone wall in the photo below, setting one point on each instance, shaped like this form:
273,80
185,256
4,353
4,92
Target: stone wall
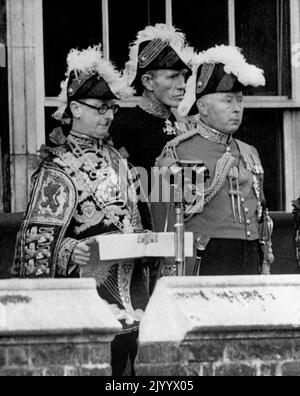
223,356
54,356
222,327
54,328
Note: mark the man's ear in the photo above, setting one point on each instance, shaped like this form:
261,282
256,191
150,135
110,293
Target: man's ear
147,81
75,109
202,107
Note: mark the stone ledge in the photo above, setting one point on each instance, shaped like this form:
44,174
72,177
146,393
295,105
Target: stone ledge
54,307
183,308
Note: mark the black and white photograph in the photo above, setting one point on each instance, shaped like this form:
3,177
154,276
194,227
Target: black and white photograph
150,191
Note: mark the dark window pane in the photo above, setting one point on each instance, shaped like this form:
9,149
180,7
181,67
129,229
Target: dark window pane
204,22
126,19
68,24
264,130
263,32
2,21
50,122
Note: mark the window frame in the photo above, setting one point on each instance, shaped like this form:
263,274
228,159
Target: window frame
251,101
27,128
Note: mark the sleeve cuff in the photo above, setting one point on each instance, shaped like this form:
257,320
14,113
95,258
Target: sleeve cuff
65,267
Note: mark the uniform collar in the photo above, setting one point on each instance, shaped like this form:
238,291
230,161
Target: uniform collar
213,135
84,140
155,109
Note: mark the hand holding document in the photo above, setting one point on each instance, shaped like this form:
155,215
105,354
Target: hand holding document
111,249
131,246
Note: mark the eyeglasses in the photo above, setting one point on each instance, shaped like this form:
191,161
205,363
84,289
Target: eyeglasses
103,109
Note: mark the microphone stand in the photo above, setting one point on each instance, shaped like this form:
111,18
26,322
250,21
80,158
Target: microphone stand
179,239
179,228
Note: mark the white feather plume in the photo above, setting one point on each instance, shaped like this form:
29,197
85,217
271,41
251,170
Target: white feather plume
234,63
91,61
190,94
166,33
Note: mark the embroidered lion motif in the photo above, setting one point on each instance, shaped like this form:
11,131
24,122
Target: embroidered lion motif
54,199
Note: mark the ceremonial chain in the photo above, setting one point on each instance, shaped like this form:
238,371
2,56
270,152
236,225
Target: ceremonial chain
127,228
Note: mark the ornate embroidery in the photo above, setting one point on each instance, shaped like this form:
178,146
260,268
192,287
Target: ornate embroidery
65,253
45,223
212,134
37,249
96,178
82,186
52,198
151,51
157,110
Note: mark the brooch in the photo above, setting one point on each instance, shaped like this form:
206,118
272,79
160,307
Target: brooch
169,129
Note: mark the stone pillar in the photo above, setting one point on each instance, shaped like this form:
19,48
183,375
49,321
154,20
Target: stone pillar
54,328
4,128
26,93
234,326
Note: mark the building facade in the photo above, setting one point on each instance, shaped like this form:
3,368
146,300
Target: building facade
36,35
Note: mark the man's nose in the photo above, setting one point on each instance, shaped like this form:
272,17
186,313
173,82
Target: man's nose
238,106
182,83
109,115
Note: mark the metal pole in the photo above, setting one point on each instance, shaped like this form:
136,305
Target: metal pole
179,240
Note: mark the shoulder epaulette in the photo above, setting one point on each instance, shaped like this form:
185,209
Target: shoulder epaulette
183,137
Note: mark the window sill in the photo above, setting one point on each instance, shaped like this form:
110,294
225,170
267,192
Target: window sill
251,102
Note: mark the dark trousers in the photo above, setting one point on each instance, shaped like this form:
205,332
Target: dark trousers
123,354
231,257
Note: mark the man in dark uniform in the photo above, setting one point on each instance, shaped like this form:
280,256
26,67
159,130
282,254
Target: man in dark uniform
84,189
227,225
158,70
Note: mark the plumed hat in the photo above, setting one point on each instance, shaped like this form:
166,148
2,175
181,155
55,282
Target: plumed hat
219,69
157,47
90,76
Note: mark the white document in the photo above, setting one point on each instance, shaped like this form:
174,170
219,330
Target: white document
130,246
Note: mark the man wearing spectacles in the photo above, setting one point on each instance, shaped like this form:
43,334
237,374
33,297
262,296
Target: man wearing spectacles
103,108
93,116
84,189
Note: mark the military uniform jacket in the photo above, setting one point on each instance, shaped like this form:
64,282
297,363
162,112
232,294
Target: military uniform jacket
224,214
78,192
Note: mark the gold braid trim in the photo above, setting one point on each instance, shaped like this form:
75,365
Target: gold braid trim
223,166
183,137
225,163
170,149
